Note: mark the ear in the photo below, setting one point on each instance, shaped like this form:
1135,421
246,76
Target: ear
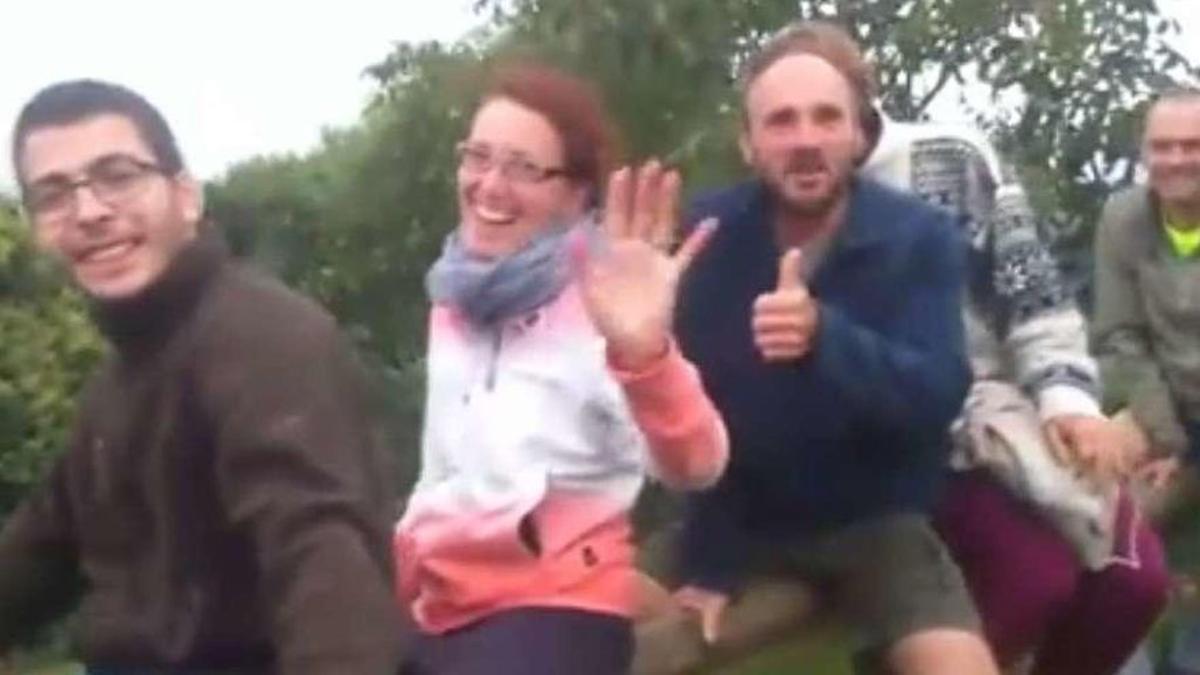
43,236
189,196
578,198
861,146
745,147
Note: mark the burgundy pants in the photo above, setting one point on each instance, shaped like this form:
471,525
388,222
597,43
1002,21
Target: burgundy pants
1033,594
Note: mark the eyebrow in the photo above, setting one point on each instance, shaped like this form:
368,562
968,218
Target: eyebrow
780,114
510,155
1173,139
60,176
500,151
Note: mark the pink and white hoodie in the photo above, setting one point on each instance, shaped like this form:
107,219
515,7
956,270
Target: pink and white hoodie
533,451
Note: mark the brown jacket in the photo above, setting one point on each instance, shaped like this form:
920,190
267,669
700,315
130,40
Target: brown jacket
223,504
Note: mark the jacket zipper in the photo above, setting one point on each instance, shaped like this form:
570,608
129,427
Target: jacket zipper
493,358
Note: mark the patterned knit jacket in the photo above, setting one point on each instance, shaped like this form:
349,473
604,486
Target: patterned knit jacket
1027,340
1022,324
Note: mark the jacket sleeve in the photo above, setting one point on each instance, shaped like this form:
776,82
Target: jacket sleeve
1042,329
1121,338
39,571
914,376
715,548
299,473
686,437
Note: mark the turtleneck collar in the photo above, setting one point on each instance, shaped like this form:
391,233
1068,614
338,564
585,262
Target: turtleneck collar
143,322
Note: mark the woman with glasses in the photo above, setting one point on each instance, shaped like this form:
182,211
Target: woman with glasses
554,385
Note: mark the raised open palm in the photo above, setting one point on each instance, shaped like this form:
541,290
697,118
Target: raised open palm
630,281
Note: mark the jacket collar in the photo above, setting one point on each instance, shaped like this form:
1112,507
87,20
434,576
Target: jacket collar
863,228
140,323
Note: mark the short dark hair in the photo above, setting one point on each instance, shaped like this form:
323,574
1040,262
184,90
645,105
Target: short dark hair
827,41
75,100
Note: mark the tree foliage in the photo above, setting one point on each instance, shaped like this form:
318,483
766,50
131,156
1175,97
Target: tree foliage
49,347
355,223
1059,83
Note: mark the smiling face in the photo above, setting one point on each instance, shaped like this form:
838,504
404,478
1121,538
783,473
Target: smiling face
507,198
1171,152
100,204
802,133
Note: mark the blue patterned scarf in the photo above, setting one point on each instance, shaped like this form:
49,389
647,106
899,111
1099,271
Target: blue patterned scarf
489,290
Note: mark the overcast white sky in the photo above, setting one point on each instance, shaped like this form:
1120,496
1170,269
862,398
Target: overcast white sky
242,78
234,78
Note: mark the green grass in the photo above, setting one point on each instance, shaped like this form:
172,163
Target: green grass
820,654
40,663
56,669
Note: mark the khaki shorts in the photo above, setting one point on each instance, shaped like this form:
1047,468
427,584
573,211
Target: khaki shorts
890,577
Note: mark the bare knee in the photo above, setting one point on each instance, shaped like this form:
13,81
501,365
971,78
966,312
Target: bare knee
941,651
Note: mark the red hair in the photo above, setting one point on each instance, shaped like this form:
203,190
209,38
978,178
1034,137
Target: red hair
573,107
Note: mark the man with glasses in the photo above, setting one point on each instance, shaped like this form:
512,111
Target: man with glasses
222,506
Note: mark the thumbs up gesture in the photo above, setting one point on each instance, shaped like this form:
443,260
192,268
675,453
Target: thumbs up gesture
785,320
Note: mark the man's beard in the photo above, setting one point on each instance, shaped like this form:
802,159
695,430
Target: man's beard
807,160
810,209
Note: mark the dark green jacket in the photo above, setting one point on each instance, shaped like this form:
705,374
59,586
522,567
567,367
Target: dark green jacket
1146,331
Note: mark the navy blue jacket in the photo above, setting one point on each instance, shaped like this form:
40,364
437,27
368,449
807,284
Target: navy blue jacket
857,427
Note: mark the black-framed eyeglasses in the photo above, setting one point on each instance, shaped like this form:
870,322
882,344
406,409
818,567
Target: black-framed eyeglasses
478,158
112,179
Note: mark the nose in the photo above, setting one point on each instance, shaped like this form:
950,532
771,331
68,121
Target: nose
89,208
803,133
493,179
